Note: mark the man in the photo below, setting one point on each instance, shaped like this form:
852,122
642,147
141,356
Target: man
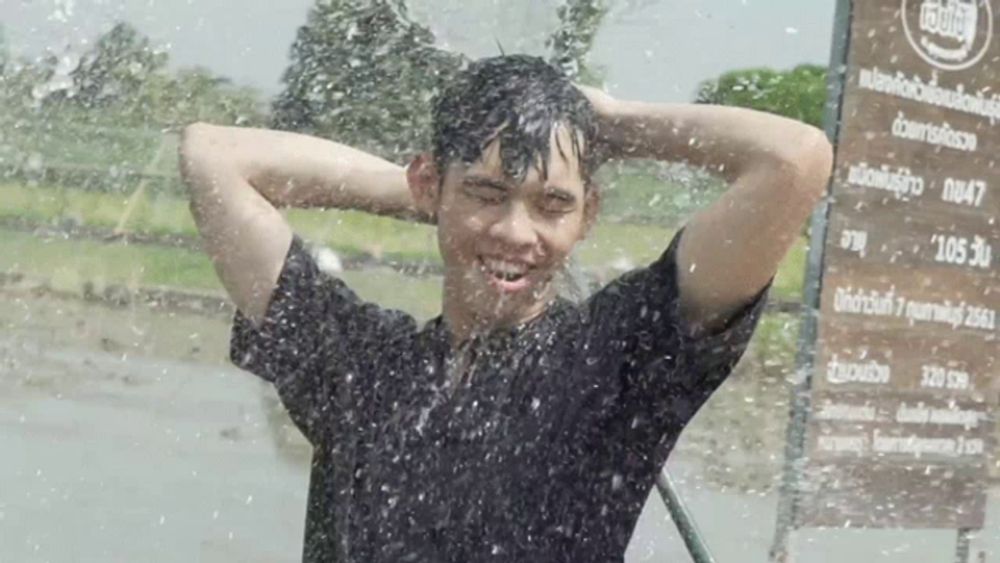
517,426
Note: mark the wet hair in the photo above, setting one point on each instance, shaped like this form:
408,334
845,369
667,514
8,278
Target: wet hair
519,99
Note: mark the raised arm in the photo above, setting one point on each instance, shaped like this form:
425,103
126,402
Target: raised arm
238,177
778,169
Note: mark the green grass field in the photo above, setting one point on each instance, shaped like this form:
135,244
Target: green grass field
66,265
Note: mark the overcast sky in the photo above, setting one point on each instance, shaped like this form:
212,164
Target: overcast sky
651,49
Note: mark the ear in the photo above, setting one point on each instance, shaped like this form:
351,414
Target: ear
591,208
424,181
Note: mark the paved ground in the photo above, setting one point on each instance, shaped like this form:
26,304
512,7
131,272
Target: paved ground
124,436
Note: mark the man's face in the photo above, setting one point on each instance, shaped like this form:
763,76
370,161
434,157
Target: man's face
502,241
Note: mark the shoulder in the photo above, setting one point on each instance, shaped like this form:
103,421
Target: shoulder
313,311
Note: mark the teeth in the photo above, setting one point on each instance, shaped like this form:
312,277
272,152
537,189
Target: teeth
506,268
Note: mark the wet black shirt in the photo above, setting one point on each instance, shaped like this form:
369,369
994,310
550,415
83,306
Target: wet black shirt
544,449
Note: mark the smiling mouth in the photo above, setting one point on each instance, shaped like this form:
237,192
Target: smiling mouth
507,277
504,271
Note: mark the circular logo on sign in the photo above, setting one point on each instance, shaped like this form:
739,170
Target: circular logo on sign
949,34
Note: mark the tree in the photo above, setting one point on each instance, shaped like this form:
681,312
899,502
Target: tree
21,79
799,93
115,70
125,72
572,41
24,84
196,94
364,74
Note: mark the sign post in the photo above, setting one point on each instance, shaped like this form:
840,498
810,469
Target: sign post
891,421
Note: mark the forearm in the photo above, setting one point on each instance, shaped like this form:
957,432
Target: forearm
292,170
778,169
726,140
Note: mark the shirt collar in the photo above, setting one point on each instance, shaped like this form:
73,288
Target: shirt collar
437,328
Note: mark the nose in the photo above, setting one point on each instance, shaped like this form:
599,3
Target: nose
515,227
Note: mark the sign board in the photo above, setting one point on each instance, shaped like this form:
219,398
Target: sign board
905,371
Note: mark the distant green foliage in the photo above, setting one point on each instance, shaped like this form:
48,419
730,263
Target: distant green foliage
107,123
117,68
799,93
122,81
18,84
364,74
196,94
124,74
22,82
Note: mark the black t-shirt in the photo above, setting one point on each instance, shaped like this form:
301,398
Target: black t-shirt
544,449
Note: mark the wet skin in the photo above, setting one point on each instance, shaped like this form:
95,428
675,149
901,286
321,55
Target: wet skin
501,240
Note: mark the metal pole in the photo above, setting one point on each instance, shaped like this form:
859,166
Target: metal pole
800,400
682,518
962,545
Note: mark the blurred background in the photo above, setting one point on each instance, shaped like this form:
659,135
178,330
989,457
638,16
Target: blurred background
125,434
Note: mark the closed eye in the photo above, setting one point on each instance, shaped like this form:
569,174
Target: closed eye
558,201
485,189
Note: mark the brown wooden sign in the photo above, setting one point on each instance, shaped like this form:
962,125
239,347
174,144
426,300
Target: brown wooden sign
875,233
875,361
898,495
906,373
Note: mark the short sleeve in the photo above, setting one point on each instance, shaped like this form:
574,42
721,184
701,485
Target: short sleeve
310,340
641,323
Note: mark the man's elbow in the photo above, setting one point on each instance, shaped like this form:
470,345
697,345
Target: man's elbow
197,155
189,149
809,163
